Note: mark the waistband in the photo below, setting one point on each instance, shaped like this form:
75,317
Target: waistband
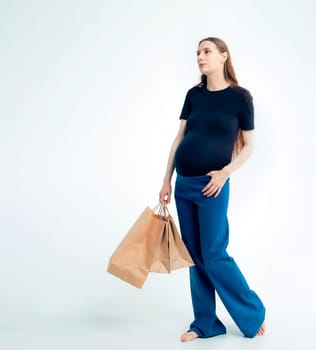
195,178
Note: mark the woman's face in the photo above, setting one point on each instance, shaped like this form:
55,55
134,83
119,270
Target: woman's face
209,58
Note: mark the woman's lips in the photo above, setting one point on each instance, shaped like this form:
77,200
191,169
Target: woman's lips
202,64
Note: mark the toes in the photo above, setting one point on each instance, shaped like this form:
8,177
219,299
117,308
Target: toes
261,329
188,336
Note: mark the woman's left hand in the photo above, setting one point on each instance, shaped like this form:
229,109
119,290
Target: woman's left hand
214,187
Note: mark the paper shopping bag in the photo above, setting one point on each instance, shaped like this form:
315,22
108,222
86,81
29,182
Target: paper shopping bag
161,260
132,259
171,252
179,255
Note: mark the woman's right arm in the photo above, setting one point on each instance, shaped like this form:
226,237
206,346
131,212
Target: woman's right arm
166,190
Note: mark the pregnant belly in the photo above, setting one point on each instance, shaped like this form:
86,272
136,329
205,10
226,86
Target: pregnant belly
196,157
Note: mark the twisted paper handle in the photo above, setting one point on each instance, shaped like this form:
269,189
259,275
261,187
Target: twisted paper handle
161,210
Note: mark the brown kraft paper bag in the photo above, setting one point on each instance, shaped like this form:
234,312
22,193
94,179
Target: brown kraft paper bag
132,259
171,253
152,244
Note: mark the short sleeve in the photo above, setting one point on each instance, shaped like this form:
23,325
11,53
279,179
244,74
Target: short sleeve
246,114
186,109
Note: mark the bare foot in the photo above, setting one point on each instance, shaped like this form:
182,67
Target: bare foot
262,329
188,336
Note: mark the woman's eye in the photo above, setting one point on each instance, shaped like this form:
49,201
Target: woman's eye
205,51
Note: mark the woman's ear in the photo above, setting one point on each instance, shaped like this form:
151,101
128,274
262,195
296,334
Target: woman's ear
224,54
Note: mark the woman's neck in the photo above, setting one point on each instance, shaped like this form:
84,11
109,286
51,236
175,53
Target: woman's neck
216,82
218,85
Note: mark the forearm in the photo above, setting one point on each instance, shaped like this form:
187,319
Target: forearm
174,146
170,163
239,160
219,177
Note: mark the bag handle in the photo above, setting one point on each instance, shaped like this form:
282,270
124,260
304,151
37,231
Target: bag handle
161,210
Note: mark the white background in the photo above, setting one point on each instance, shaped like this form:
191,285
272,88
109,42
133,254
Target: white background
91,93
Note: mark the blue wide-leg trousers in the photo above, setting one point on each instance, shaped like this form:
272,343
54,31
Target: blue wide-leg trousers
205,231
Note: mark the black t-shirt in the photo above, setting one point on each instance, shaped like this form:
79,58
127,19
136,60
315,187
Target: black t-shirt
213,119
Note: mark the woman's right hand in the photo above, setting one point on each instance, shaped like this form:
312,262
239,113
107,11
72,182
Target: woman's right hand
165,193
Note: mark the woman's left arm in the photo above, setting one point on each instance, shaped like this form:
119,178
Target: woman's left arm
219,177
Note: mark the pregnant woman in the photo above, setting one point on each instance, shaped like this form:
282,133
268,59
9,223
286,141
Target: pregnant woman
214,139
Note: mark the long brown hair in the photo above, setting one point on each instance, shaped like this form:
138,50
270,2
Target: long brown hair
230,76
